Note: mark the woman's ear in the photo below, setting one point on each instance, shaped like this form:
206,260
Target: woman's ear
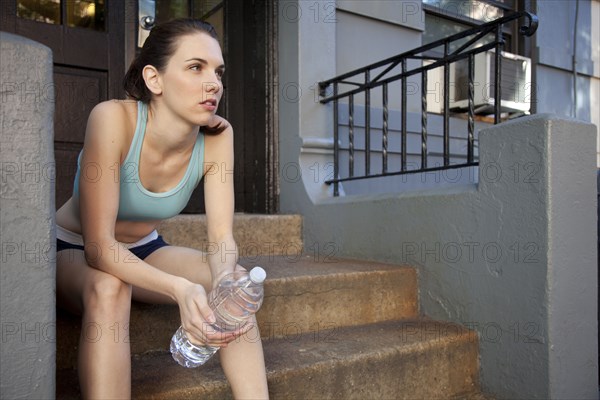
152,79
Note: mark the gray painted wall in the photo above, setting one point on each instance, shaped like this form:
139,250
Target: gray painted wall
511,254
27,220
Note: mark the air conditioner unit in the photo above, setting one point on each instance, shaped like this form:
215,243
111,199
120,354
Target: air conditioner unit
435,88
515,83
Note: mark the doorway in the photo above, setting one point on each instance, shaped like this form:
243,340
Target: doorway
247,31
94,41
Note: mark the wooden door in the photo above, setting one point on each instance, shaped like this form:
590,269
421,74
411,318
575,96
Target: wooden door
86,39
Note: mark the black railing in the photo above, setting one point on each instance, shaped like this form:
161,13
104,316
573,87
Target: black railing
364,85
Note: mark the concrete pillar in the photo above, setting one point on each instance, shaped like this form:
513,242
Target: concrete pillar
538,177
27,209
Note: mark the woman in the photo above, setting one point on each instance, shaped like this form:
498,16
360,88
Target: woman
140,163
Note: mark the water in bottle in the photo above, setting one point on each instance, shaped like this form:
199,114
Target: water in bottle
236,298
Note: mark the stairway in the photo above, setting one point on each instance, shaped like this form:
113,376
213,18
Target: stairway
332,328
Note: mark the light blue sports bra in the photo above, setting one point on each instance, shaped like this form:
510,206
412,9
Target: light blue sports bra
136,203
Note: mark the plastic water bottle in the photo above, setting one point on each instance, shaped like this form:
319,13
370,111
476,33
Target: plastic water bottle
236,298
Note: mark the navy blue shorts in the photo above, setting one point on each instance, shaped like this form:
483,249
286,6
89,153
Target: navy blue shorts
141,251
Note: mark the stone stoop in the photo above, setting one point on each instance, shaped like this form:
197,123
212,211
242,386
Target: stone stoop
340,329
415,359
255,234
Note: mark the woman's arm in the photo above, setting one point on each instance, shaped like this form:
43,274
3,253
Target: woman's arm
219,202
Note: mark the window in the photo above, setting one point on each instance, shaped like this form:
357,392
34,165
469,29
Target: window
77,13
447,17
444,18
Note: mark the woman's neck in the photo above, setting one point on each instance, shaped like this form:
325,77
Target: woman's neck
168,132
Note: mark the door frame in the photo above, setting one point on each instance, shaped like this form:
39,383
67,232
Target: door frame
251,41
249,46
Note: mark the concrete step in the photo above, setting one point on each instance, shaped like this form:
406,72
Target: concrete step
301,295
411,359
255,234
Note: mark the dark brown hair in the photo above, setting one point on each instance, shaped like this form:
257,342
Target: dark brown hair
157,50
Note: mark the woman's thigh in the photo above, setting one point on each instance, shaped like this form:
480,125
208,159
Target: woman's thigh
180,261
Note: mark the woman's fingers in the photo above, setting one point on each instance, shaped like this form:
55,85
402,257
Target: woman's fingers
198,320
212,336
205,311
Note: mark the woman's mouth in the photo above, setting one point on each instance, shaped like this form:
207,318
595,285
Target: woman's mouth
209,104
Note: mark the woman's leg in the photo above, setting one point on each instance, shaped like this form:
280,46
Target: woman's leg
242,360
244,365
104,302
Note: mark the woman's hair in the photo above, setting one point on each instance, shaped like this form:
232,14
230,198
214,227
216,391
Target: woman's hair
158,48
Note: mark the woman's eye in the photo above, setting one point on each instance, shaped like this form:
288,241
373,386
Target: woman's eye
220,73
196,67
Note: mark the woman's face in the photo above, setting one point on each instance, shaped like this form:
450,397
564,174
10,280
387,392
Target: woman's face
191,82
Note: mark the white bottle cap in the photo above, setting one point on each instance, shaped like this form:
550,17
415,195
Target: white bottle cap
257,275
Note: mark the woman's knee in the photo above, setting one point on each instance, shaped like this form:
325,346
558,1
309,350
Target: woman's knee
106,293
253,333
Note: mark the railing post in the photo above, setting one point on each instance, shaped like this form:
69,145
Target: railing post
471,116
446,106
336,146
351,135
497,73
384,143
424,119
367,124
404,100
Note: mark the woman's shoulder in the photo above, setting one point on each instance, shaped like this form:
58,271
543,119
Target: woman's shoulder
218,147
219,131
112,121
115,109
223,138
115,115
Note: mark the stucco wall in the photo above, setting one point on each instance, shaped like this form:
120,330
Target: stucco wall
511,254
27,220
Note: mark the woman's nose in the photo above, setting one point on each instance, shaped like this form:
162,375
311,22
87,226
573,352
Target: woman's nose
212,87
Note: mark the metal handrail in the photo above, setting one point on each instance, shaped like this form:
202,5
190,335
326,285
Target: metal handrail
367,84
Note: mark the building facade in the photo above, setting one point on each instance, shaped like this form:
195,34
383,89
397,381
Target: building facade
507,248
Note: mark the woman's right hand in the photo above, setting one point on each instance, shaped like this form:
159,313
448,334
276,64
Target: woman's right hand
197,317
